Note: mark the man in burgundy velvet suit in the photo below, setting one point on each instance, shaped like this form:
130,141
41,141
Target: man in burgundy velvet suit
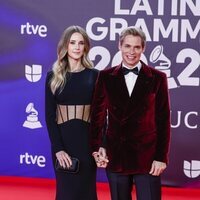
132,99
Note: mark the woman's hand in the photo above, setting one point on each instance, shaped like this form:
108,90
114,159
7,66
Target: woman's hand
64,159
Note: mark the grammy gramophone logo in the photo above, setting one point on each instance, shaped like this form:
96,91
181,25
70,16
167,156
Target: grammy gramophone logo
163,64
32,121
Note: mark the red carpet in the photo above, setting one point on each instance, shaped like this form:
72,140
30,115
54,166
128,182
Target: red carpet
17,188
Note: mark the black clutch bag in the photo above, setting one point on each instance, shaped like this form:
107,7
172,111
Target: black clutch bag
74,168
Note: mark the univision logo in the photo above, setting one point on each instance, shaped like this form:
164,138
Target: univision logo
33,73
191,169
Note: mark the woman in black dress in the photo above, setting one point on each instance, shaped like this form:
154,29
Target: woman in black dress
68,95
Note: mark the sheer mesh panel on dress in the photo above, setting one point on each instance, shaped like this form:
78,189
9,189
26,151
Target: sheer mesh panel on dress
69,112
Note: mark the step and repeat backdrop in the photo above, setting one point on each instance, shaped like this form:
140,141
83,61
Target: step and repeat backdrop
29,33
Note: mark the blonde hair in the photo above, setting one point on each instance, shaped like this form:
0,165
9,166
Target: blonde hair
61,65
135,31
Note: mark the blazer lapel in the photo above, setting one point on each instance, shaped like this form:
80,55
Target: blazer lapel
118,82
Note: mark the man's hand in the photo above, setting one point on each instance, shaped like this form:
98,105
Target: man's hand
157,168
101,158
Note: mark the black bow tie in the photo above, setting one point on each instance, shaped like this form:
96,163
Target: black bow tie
126,71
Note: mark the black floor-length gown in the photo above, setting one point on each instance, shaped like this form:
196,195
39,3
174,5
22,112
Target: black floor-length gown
67,119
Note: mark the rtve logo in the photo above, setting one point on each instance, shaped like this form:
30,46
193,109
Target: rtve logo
29,29
191,169
32,160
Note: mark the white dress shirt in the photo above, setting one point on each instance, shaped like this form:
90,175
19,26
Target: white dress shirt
131,78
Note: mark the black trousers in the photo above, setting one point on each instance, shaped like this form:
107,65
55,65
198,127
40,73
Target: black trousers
148,187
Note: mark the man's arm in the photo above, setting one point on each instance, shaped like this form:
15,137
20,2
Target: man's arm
162,115
98,114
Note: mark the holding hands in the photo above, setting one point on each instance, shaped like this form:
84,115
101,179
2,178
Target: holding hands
101,158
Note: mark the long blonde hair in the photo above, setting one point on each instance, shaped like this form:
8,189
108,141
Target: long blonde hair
61,66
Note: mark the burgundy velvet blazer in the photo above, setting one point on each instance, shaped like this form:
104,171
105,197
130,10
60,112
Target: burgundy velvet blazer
137,128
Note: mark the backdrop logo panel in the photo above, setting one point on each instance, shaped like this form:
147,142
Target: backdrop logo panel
172,28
